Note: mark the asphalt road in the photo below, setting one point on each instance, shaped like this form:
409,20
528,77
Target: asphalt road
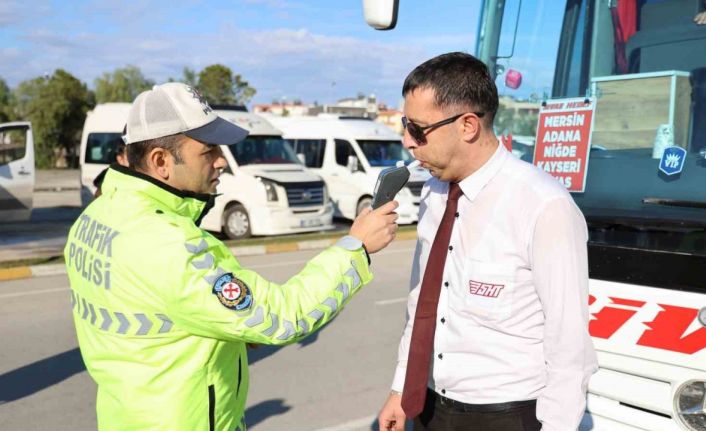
335,380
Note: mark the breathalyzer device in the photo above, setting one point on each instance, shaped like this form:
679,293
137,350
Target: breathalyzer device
390,182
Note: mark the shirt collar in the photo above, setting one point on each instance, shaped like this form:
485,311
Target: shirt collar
474,183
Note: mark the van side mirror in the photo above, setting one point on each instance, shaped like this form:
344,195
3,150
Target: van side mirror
381,14
352,164
301,158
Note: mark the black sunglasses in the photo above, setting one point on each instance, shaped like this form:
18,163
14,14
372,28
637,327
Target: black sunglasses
418,133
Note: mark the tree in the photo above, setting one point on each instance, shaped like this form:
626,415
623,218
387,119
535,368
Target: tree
123,85
57,108
527,124
518,123
243,91
190,77
220,86
5,110
504,119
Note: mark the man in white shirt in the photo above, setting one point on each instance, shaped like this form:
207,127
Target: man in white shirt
497,330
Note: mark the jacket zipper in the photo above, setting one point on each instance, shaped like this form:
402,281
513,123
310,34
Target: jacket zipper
211,408
240,375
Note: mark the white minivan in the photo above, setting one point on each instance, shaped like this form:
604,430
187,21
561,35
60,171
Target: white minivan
102,133
264,190
16,171
349,153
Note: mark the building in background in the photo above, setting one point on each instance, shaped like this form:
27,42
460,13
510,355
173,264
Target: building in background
283,109
360,106
391,118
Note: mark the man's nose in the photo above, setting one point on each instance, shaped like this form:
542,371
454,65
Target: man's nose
220,161
408,142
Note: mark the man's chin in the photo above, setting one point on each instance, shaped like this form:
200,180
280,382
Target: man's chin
213,186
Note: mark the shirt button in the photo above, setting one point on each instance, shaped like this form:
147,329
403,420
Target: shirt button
443,391
446,284
451,248
441,356
443,320
456,215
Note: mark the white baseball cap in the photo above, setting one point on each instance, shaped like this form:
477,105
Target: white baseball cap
172,108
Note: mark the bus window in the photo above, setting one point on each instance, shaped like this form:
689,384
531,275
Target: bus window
645,63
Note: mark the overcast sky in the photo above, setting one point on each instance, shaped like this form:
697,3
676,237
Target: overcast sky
313,50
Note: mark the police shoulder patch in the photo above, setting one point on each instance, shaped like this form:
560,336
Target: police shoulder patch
232,292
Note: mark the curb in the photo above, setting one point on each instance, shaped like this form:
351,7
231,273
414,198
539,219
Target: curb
57,189
30,271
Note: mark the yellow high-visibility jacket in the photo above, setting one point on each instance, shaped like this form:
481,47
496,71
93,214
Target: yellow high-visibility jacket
163,310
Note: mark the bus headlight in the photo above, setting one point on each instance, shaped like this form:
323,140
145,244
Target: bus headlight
702,316
690,405
270,189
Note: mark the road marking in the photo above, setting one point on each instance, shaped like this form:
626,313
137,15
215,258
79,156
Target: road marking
34,292
357,424
391,301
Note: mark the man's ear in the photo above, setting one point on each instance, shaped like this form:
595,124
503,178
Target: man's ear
159,162
472,127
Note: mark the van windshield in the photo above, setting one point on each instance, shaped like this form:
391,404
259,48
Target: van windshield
384,153
102,148
263,150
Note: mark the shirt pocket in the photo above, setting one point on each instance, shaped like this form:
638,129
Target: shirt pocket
485,290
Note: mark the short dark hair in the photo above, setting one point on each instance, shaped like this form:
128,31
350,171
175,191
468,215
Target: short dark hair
458,80
138,151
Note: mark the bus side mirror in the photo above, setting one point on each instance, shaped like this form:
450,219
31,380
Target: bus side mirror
352,164
381,14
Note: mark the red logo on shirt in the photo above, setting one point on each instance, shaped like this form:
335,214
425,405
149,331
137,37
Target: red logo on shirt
485,289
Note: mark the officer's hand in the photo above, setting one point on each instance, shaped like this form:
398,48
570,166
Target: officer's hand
392,417
376,228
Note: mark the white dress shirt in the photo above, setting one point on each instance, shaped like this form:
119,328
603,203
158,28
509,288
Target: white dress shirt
512,319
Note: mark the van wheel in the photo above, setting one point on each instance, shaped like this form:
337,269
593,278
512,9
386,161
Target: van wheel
236,222
363,203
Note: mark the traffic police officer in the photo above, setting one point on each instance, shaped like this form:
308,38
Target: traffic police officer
162,309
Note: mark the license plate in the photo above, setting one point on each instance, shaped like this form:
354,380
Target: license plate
310,222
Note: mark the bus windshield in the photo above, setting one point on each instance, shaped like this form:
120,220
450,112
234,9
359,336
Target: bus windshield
645,64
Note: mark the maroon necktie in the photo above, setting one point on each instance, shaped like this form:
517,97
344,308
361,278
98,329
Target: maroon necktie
422,343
